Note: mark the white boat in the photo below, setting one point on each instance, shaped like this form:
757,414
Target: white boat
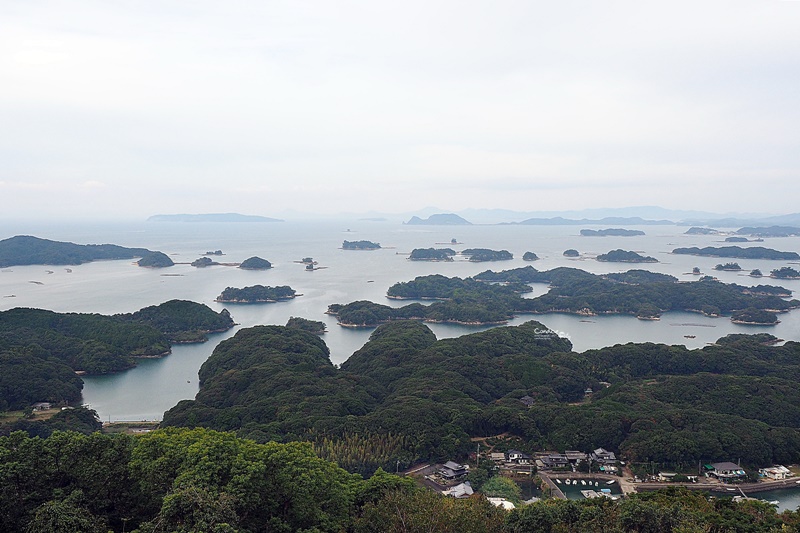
596,483
583,482
558,481
611,482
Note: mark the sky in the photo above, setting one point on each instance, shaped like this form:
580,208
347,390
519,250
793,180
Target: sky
131,108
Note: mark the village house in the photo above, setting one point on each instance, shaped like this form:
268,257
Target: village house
498,457
518,457
527,401
603,457
726,472
41,406
462,490
553,460
574,456
452,470
777,472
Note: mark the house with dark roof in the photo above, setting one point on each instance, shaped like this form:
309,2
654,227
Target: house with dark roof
603,456
453,470
528,401
574,456
554,460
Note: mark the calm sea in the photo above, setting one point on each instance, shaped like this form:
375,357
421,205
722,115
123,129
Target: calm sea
145,392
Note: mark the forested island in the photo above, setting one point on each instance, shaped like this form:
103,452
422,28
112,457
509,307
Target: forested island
701,231
530,256
571,253
29,250
636,292
155,260
770,231
612,232
478,255
785,273
757,317
41,351
255,263
256,294
212,217
623,256
312,326
360,245
737,252
432,254
731,267
203,262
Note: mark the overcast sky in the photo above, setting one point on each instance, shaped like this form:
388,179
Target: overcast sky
131,108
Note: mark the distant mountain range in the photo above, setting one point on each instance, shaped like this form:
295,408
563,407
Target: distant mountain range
212,217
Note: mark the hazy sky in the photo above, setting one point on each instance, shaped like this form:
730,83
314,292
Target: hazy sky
139,107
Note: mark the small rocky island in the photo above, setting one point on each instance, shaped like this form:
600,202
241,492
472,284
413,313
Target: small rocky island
255,263
571,253
623,256
203,262
611,232
530,256
477,255
256,294
431,254
360,245
155,260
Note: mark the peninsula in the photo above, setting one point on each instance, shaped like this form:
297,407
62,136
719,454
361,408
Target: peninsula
156,260
737,252
29,250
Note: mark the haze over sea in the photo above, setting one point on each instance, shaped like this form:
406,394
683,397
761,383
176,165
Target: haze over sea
155,385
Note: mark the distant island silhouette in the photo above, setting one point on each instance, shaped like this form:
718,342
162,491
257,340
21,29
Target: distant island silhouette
212,217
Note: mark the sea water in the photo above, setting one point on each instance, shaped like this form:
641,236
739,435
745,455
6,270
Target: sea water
155,385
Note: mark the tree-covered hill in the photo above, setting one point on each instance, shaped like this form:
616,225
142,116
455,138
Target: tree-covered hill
29,250
41,350
182,320
417,398
198,480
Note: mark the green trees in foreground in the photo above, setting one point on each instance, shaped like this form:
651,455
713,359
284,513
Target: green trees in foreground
181,480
